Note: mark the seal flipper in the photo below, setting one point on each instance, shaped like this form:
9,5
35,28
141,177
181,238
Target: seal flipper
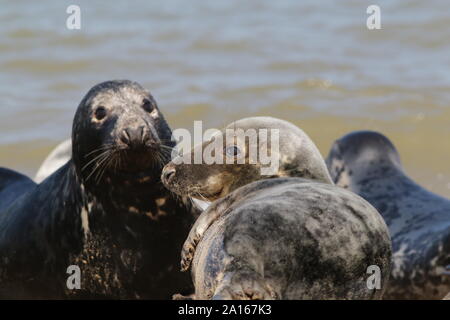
12,186
203,222
244,285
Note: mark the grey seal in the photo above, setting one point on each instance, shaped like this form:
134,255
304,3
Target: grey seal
105,211
290,235
368,164
296,156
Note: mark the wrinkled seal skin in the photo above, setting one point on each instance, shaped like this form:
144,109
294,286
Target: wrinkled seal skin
368,164
277,237
105,210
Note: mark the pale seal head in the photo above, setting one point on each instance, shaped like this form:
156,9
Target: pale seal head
251,149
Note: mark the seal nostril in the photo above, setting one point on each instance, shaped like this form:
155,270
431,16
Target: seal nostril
125,137
144,135
134,137
168,174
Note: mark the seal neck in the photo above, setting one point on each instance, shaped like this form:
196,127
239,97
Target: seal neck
319,173
62,208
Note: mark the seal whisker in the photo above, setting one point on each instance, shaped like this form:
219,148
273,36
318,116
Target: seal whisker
163,157
94,169
104,147
104,167
99,157
201,195
166,147
116,162
178,197
94,159
159,160
98,164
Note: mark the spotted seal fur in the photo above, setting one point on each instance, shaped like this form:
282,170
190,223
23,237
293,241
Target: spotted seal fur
277,237
368,164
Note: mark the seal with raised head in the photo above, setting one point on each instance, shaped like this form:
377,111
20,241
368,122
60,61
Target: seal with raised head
105,211
278,237
368,164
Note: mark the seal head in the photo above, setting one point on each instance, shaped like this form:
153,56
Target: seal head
243,145
361,154
119,135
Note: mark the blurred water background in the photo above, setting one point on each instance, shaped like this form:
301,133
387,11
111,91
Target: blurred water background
314,63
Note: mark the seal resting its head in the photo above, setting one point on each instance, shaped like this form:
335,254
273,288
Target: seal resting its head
277,237
250,142
104,211
368,164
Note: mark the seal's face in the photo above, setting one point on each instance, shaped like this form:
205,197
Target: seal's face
226,165
119,135
252,149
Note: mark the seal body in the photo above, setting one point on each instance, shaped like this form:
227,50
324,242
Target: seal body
290,238
105,211
368,164
272,237
12,184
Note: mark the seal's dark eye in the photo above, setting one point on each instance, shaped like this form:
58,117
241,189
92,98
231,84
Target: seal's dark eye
147,105
232,151
100,113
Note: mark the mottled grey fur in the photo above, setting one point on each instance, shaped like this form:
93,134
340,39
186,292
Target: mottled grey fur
368,164
298,156
288,238
268,237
